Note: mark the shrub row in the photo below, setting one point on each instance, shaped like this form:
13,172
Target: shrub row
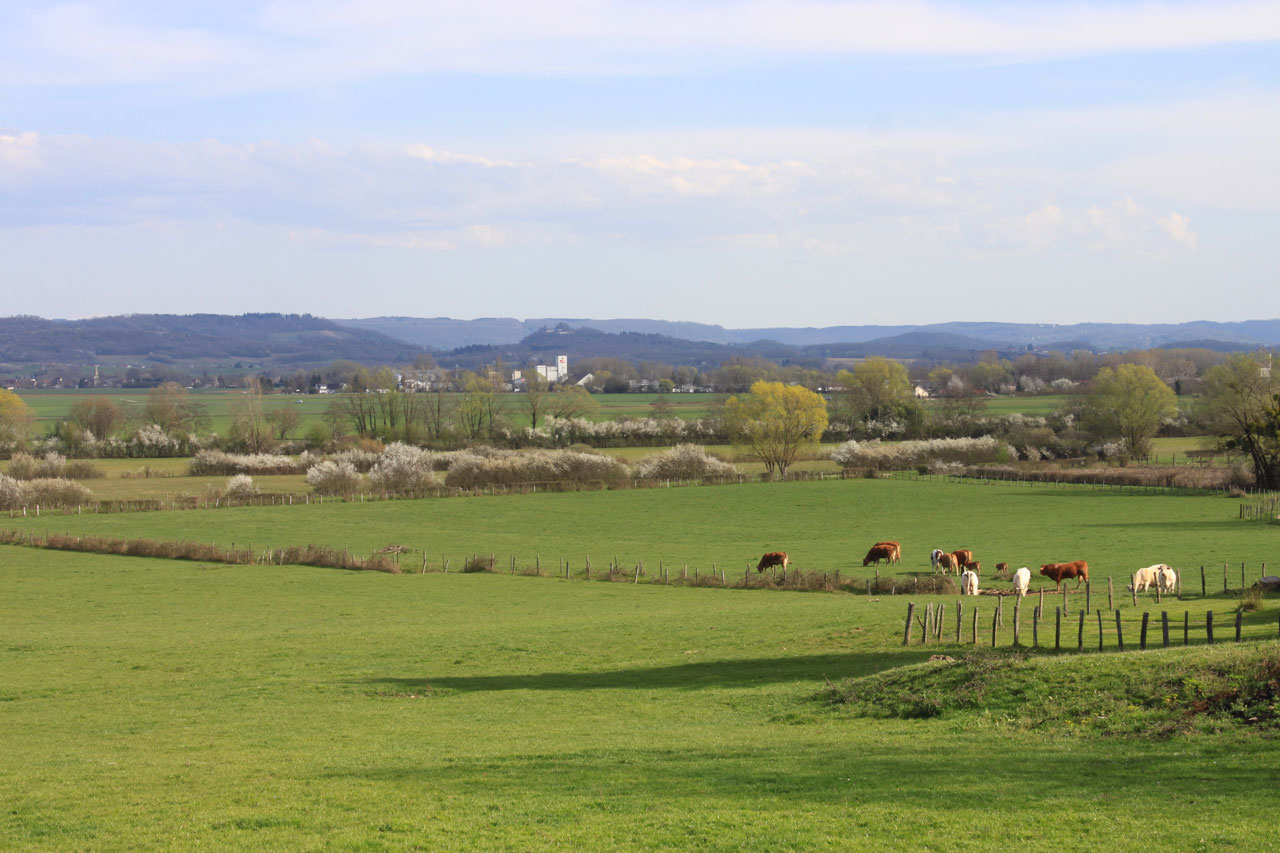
45,492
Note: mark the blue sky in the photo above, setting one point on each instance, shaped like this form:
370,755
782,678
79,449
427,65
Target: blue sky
775,162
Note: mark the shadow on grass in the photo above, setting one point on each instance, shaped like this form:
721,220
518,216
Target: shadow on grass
693,675
889,769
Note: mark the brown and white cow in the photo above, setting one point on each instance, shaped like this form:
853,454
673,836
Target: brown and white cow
773,558
947,562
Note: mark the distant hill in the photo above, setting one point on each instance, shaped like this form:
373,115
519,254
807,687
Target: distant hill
442,333
578,344
268,339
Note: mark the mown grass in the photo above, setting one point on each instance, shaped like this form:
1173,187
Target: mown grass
155,705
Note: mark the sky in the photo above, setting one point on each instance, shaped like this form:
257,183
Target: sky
749,163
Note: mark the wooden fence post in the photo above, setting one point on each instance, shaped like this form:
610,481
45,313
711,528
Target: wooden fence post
1164,627
995,624
1110,590
1208,625
1186,627
1035,627
1142,641
1202,587
1057,629
1224,577
939,622
1099,629
1080,638
1064,602
959,619
975,625
926,624
1088,599
1017,622
1239,620
1134,592
1119,632
906,632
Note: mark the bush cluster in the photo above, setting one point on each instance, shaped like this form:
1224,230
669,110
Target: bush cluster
507,467
209,463
240,486
683,462
403,470
43,491
873,455
24,466
332,477
625,432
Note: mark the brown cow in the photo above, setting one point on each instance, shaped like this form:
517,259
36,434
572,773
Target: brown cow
897,550
878,553
1002,567
962,555
973,566
1058,572
946,562
773,558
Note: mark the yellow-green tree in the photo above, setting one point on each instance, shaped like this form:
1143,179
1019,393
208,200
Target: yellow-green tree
16,420
1241,404
775,421
1129,403
875,387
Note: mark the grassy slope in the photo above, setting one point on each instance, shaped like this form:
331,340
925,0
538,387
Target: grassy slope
160,705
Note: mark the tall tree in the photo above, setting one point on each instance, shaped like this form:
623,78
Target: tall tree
1129,403
249,425
1241,402
99,415
171,408
775,421
16,420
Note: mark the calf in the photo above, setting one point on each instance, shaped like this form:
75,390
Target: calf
1002,567
973,566
773,558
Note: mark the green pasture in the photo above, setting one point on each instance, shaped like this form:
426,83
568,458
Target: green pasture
51,406
155,704
823,525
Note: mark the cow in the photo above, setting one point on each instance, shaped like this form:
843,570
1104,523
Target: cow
1002,567
1144,579
973,566
1058,572
897,550
1021,580
773,558
878,553
969,583
962,555
934,557
947,562
1168,578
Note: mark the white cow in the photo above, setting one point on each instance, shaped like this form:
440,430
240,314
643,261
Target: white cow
1168,579
1144,579
969,583
933,558
1021,580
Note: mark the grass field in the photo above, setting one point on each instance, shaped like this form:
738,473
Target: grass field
152,704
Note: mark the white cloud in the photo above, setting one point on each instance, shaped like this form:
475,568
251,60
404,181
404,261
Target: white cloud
289,42
1122,225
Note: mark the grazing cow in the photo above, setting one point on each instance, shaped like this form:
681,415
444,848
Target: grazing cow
878,553
969,583
897,550
773,558
962,555
973,566
934,557
1021,580
1002,567
947,562
1168,579
1144,579
1058,572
